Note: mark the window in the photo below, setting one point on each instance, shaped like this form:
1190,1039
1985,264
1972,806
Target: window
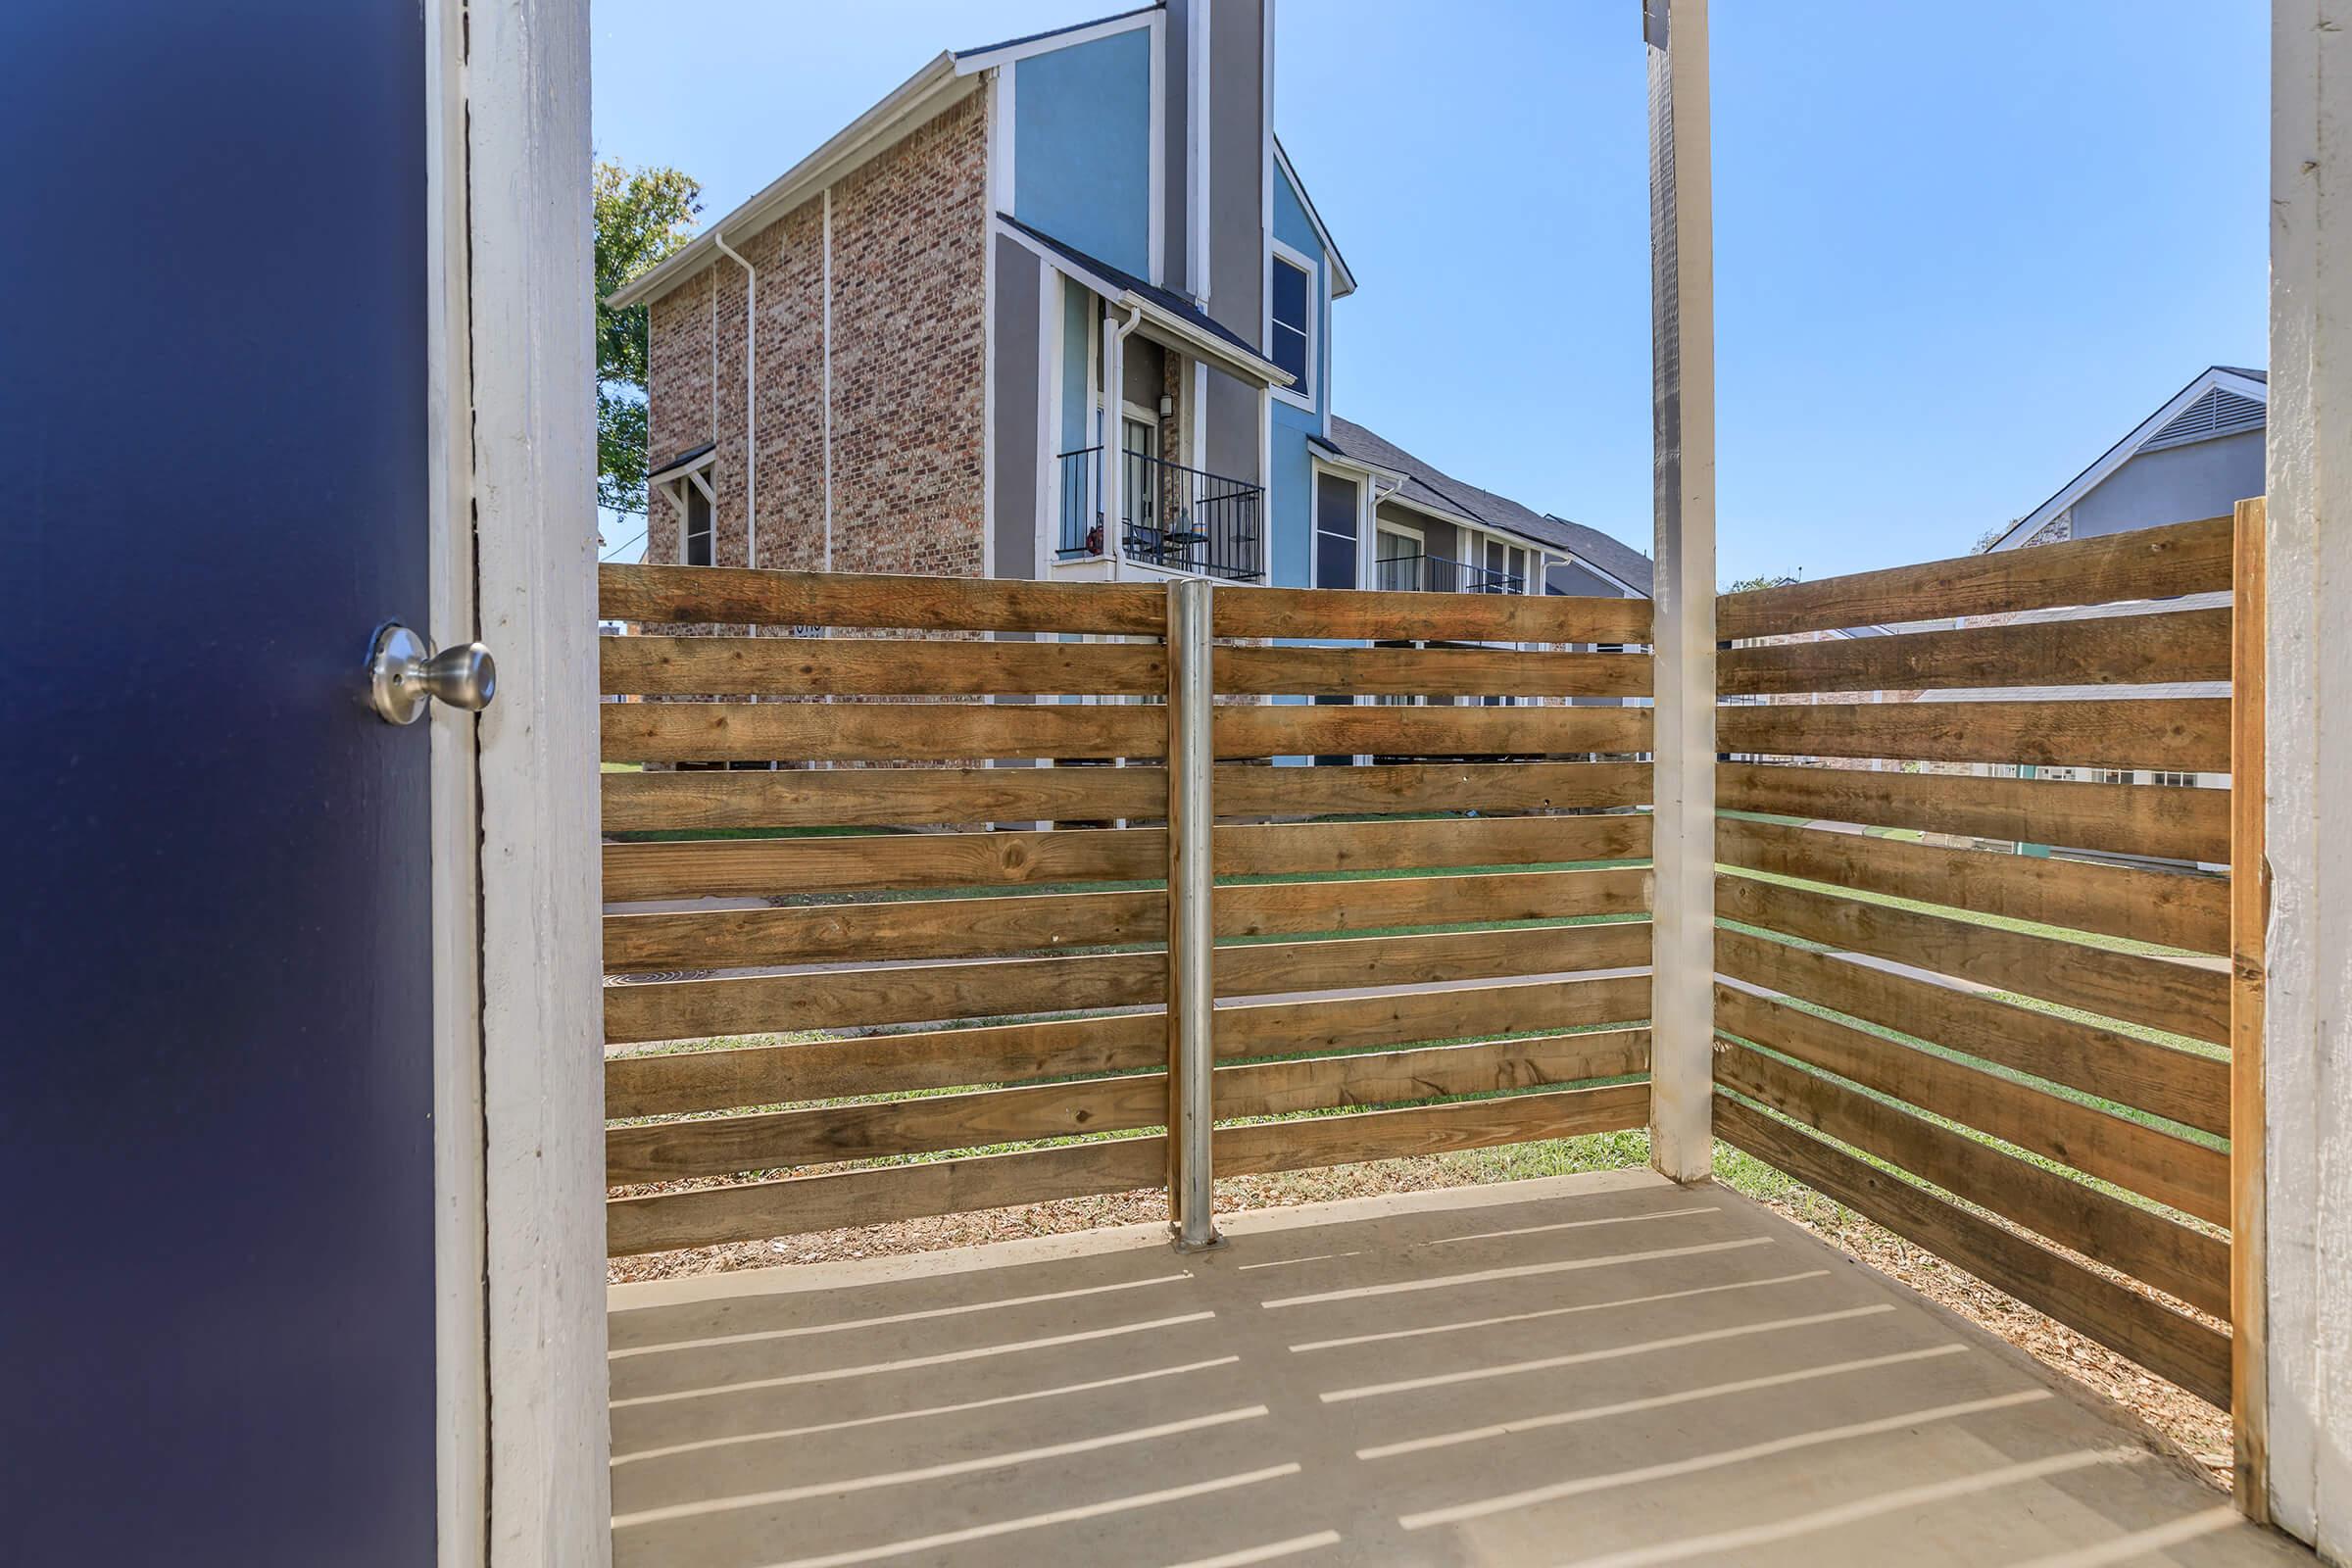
2112,776
2182,781
1290,335
1336,531
1139,439
699,543
1396,561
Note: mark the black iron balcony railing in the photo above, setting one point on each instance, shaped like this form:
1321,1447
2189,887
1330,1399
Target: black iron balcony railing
1435,574
1167,515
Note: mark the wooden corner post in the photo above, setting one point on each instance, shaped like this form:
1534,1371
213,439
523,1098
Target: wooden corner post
1683,410
2249,920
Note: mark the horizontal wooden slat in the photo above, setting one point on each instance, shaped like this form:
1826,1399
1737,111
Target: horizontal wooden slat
2170,1169
925,797
2162,992
882,862
777,1139
741,596
2187,825
2162,1080
657,732
2185,734
2173,909
1312,847
967,928
895,862
895,732
670,1082
841,999
1335,730
2166,563
1345,612
1428,671
889,930
2172,1256
754,1211
1347,1139
2169,1343
1247,789
2104,651
875,667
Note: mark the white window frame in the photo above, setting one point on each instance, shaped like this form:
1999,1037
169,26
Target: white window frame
674,490
1315,325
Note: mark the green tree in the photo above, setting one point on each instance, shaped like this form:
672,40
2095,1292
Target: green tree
1750,584
642,216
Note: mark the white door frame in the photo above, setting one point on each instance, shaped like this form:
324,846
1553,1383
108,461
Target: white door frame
518,1086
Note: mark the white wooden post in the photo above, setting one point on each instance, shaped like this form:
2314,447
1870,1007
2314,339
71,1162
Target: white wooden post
2307,1037
1683,397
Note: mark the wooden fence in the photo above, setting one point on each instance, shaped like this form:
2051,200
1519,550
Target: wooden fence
1899,987
945,918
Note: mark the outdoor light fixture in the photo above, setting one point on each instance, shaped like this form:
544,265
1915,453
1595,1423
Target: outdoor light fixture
1168,406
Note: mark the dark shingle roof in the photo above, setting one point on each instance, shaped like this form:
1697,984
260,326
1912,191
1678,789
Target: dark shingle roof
1166,299
1431,485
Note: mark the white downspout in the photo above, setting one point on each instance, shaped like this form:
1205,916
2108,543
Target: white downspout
1114,429
750,396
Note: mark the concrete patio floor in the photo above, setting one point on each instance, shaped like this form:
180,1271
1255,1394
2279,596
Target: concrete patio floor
1582,1370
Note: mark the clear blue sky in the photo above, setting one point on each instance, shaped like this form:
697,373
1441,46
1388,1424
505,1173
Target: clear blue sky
1960,250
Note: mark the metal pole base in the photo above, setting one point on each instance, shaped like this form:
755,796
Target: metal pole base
1178,1240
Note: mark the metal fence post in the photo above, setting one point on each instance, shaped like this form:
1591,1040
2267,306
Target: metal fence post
1192,931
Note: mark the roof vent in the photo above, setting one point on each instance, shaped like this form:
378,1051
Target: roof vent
2218,413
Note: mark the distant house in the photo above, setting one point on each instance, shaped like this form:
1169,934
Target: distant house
2198,455
1059,307
2195,457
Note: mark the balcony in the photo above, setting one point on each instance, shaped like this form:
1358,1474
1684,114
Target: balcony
1435,574
1171,518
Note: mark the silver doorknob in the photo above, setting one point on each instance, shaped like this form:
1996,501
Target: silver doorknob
405,674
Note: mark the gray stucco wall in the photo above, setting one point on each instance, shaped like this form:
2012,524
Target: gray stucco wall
1567,577
2176,484
1176,172
1237,167
1014,417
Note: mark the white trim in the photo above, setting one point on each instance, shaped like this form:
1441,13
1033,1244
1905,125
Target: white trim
825,338
1155,221
534,558
1003,145
1339,264
988,338
1571,557
1167,327
977,60
1048,521
460,1386
1266,161
1313,270
1197,131
2123,451
931,90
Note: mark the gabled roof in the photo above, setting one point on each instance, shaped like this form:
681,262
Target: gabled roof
1431,489
1343,281
917,99
2212,404
966,56
1166,307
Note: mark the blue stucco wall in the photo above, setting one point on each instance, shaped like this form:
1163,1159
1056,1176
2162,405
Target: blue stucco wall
1081,147
1292,485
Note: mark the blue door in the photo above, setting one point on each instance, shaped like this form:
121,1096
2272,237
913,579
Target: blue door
216,1144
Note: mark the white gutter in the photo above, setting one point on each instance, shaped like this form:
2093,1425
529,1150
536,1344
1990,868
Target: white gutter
751,402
